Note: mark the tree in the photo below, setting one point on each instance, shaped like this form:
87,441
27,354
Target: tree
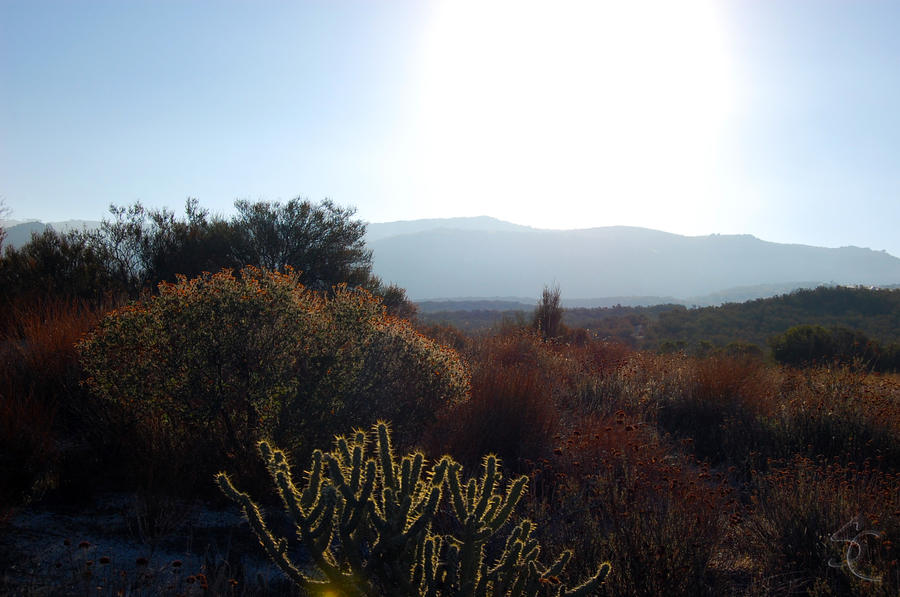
322,241
56,264
548,314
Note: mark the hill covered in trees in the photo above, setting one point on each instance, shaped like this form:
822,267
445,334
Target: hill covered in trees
874,312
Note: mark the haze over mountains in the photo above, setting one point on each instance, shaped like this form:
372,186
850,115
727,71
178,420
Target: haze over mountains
484,257
494,264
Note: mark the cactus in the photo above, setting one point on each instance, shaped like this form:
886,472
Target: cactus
366,522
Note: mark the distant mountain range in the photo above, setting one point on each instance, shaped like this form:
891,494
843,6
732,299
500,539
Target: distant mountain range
488,258
489,264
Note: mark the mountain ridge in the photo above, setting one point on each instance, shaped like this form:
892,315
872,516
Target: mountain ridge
447,259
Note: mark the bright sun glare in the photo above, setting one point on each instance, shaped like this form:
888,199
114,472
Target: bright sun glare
608,111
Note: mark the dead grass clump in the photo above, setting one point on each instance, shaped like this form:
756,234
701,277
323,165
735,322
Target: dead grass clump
615,487
824,528
837,412
510,413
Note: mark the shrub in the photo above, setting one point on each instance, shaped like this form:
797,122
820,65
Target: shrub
40,399
805,514
838,412
54,264
719,409
510,413
224,359
615,487
367,525
547,319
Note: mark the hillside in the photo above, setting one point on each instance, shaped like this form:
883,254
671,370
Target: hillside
487,258
875,312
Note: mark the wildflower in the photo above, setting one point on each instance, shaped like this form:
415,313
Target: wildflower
104,560
83,545
141,561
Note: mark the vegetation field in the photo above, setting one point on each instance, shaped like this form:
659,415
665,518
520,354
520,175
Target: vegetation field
723,473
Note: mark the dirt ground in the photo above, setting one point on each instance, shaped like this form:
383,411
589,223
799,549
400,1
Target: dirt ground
124,545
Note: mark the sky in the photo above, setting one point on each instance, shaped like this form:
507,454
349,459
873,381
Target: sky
779,119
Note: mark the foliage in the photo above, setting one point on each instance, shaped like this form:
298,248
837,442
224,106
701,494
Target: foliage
871,311
510,412
367,524
223,359
66,265
813,344
615,487
548,314
40,398
321,241
802,521
135,248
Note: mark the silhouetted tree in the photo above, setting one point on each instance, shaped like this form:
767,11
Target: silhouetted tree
69,265
322,241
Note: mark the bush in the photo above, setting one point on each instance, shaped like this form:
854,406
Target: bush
222,360
547,319
510,413
615,487
41,403
806,512
53,264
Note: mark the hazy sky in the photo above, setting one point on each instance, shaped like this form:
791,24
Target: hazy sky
774,118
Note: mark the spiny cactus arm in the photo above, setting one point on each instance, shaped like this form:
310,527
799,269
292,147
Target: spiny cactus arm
405,474
471,556
356,466
336,474
519,578
439,472
275,549
309,495
416,473
426,566
512,500
591,585
507,573
403,509
471,492
342,451
483,582
488,481
322,518
356,508
456,496
557,567
420,524
493,506
386,454
349,538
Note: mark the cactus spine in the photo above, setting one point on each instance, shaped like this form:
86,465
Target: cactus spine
366,523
